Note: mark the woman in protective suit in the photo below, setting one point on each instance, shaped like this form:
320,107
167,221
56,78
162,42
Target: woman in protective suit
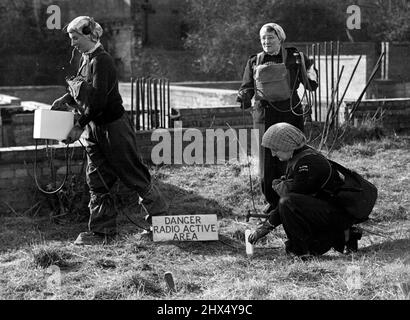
110,140
272,78
314,220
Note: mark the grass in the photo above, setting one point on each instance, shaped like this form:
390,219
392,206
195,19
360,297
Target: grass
38,260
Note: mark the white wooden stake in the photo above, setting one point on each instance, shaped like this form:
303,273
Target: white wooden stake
249,246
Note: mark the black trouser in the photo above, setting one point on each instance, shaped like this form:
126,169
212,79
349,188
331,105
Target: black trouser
270,167
112,155
311,225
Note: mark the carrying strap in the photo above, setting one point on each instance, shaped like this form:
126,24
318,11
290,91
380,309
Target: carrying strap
259,62
343,170
306,152
90,64
80,78
284,56
259,58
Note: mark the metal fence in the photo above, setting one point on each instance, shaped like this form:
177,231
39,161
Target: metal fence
330,53
333,97
150,103
329,96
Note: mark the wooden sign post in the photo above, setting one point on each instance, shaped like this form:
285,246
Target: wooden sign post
185,228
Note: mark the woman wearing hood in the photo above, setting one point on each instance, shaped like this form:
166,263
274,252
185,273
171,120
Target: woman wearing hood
110,140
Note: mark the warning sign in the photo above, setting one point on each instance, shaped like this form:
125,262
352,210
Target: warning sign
185,228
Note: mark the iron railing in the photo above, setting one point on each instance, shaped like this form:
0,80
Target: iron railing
150,103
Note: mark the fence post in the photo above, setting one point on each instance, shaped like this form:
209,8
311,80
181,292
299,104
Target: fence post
319,83
137,109
168,106
315,92
157,112
132,102
160,102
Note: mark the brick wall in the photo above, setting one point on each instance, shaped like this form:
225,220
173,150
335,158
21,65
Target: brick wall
18,189
399,66
20,131
391,89
394,113
17,186
215,117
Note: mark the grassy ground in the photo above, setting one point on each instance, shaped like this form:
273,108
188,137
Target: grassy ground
38,260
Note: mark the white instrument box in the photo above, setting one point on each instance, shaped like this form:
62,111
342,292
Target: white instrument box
51,124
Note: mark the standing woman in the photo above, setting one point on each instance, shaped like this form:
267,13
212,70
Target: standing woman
272,78
110,141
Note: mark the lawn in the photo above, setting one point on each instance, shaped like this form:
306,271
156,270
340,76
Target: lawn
39,261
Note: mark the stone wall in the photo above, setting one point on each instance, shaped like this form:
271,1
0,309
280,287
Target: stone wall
215,117
19,132
398,62
391,88
43,94
394,114
19,192
188,97
17,186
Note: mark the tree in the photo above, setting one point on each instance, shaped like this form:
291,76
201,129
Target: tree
224,33
389,20
220,33
31,53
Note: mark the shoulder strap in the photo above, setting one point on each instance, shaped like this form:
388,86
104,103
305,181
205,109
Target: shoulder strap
92,61
338,166
347,172
292,163
284,54
311,151
259,58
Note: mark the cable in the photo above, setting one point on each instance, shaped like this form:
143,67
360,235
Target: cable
66,176
292,108
249,168
35,172
111,195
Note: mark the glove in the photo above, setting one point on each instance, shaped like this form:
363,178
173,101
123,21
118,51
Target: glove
74,134
59,105
63,103
260,232
245,102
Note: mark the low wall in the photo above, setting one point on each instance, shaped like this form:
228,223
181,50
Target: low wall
189,97
192,94
17,186
182,146
215,117
394,114
19,131
391,88
43,94
227,85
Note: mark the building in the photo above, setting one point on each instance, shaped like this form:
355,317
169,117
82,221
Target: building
130,27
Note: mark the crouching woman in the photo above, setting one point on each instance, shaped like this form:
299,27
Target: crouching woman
313,222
